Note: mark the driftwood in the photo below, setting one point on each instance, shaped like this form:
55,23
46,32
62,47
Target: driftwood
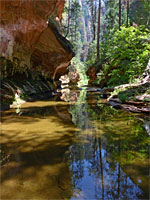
138,103
134,107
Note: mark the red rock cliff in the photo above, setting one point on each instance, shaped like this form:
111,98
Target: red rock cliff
27,36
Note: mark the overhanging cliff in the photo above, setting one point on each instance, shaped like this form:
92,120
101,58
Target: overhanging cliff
30,41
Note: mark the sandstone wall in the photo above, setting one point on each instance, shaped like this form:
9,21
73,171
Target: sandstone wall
26,35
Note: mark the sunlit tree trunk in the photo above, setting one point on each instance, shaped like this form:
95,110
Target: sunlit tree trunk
98,28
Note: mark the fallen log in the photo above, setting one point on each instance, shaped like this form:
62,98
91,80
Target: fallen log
129,107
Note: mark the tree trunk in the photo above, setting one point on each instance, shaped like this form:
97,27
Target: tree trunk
98,28
119,14
93,18
94,21
127,13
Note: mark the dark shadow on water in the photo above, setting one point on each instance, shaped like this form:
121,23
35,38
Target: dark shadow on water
36,163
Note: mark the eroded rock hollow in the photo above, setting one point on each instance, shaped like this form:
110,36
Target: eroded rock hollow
30,37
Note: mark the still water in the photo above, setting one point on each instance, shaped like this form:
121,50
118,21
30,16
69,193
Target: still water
74,146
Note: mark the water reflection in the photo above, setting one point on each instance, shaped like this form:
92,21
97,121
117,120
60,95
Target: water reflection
69,95
75,147
110,158
33,146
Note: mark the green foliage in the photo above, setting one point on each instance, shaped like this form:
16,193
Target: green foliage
125,55
123,98
111,16
77,45
81,68
92,53
71,26
140,12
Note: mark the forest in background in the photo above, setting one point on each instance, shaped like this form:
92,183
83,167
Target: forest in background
111,39
111,42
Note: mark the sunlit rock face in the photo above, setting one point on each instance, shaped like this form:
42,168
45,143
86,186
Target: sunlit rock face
72,78
26,35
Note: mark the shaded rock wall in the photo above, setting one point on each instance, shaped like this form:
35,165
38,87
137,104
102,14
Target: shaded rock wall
27,37
26,89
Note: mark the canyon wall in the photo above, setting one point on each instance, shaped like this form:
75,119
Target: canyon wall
30,37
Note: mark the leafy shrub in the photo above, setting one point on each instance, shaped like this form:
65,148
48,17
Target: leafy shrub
125,55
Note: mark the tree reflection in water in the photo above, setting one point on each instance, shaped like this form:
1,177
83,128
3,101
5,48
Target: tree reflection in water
107,157
110,158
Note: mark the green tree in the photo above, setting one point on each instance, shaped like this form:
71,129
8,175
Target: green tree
140,12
